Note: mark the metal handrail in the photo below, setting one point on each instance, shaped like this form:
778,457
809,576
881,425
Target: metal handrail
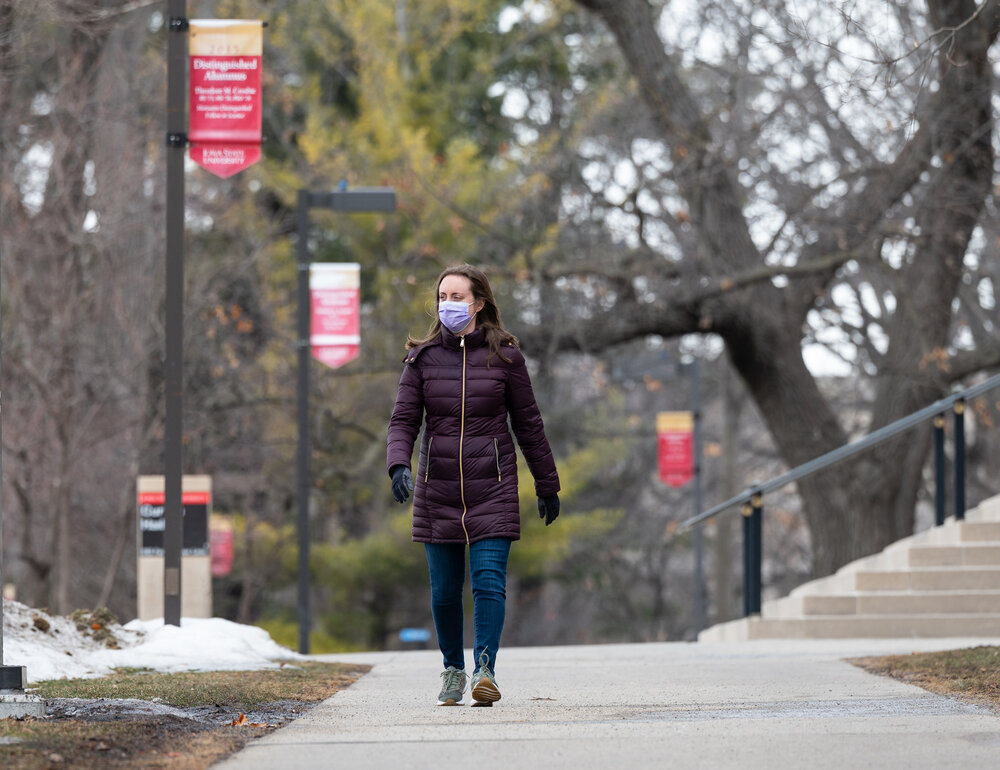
823,461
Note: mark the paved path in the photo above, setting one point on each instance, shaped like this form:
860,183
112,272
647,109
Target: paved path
749,705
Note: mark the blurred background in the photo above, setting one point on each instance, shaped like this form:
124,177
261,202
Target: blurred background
799,195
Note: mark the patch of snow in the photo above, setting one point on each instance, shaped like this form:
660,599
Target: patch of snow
51,647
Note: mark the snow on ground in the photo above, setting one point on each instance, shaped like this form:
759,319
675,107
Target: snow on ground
52,647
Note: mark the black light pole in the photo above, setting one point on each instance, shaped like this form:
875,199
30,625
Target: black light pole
302,399
699,585
361,200
173,533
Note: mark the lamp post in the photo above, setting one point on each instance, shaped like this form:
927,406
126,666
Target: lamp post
363,199
699,546
679,446
173,532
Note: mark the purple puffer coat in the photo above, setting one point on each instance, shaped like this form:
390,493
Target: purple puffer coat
465,487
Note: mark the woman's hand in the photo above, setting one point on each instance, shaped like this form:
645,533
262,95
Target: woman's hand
402,483
548,508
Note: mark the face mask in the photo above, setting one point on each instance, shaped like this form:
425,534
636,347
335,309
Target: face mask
454,315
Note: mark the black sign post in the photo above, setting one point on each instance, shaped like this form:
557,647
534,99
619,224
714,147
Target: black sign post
174,327
361,200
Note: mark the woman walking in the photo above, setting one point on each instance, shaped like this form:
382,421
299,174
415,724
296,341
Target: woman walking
467,377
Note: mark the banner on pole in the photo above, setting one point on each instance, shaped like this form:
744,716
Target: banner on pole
675,444
225,93
222,541
335,325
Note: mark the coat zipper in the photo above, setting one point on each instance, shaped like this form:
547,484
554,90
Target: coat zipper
496,448
461,441
427,470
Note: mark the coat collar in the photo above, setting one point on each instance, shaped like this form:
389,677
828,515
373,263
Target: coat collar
473,339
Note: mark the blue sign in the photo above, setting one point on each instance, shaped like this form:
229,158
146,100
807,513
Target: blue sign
414,635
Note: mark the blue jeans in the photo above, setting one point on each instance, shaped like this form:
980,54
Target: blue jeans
488,567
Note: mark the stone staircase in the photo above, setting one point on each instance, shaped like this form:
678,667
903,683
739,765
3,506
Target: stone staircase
944,581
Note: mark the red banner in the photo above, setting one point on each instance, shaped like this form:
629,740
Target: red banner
335,325
224,160
675,444
225,94
223,547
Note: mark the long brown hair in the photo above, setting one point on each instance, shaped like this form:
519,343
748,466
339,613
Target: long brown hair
488,319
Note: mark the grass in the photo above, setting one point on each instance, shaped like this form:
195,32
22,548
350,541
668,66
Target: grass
307,682
972,674
217,700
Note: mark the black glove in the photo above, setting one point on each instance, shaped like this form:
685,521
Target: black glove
402,483
548,508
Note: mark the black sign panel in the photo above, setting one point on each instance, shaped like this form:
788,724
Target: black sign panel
152,522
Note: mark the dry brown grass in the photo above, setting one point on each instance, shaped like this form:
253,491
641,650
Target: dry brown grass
224,710
972,674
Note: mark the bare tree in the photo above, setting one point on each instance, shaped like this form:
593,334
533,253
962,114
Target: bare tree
77,285
82,278
898,206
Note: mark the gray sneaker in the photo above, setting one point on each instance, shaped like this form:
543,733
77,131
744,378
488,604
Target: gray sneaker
452,687
484,685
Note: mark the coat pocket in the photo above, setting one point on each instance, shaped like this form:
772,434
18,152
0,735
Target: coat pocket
496,449
427,468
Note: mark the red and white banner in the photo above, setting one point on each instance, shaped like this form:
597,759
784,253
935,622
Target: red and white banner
675,445
335,325
222,539
225,93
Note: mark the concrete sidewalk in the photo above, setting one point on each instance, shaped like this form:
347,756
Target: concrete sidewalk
749,705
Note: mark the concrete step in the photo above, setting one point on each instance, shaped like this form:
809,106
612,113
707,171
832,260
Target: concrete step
957,532
979,531
838,583
855,627
943,581
886,603
930,579
971,554
943,548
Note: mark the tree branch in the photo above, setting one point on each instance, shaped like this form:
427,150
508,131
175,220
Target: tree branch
681,310
969,362
705,180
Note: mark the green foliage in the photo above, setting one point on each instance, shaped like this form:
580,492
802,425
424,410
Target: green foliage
286,633
542,550
372,585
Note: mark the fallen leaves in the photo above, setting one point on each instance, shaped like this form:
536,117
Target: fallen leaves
242,721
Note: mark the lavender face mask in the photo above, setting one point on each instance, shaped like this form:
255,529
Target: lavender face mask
454,315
